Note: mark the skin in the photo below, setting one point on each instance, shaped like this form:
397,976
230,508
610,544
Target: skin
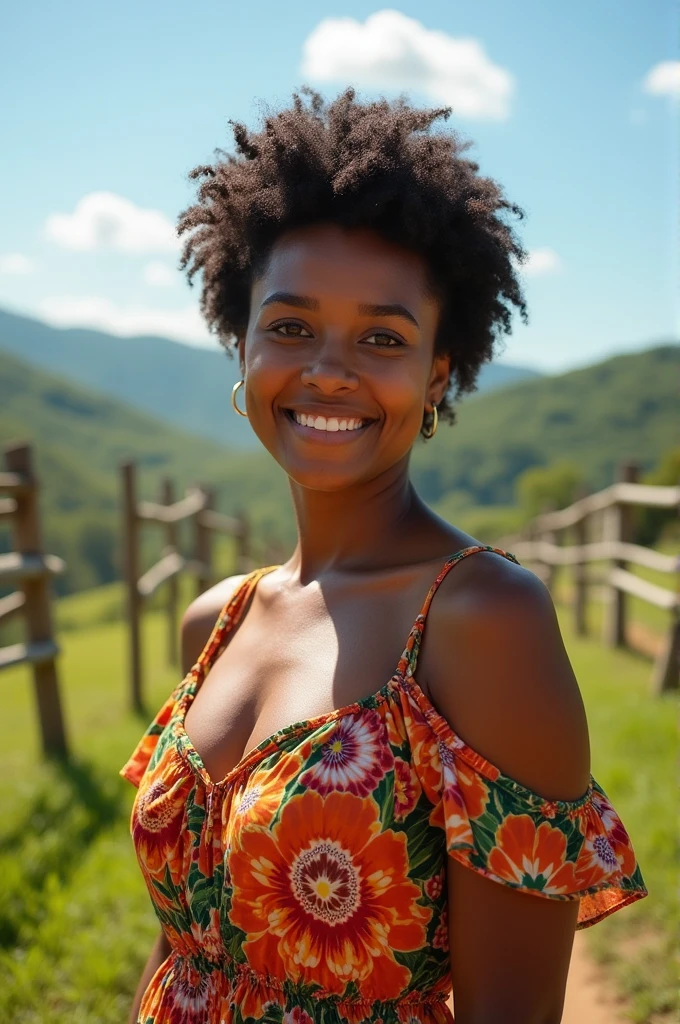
328,626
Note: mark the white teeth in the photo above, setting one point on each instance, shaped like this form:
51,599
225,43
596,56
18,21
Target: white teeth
331,424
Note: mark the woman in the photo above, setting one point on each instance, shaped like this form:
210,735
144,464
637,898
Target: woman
402,837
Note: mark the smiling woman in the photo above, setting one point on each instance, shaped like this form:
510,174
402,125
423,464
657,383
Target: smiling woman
340,818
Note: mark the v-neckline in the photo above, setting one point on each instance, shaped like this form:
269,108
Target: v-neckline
225,625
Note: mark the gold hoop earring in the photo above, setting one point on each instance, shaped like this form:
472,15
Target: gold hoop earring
435,420
235,388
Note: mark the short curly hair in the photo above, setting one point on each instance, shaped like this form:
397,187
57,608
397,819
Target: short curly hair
375,165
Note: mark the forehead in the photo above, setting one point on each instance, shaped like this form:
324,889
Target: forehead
326,261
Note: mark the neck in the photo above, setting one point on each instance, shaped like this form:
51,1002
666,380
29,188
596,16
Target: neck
367,527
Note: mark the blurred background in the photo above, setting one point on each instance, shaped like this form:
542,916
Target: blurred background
129,485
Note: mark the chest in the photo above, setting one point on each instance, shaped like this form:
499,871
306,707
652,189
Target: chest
291,663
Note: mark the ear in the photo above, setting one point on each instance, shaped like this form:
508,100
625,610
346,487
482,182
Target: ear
438,382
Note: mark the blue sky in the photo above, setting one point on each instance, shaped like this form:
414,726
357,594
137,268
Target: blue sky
572,107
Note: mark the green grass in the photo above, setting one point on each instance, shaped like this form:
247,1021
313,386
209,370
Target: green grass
75,920
634,745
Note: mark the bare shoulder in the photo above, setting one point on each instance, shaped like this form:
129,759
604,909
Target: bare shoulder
200,617
499,673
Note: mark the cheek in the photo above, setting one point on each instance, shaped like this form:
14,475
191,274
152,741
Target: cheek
401,389
268,369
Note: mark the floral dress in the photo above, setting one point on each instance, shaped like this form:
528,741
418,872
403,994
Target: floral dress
309,884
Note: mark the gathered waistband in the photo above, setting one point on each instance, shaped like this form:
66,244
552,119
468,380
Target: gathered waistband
238,974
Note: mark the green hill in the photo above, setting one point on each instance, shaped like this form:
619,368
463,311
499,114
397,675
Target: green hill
623,408
81,437
181,384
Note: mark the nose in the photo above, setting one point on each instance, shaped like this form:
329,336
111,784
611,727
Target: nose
329,373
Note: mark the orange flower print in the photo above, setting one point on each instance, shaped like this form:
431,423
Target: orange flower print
464,798
355,1011
424,750
260,798
189,996
324,896
394,723
473,787
616,833
354,757
406,789
158,820
533,858
253,994
209,940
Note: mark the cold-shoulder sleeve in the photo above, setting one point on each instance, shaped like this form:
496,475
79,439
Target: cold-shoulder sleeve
564,850
139,760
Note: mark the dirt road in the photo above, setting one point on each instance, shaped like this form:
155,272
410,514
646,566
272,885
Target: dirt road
590,999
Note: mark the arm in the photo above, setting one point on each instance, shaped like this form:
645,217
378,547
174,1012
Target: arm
503,681
160,951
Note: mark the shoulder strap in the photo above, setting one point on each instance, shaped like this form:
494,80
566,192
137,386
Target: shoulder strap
409,658
229,616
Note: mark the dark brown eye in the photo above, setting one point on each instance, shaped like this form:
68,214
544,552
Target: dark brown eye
292,330
384,340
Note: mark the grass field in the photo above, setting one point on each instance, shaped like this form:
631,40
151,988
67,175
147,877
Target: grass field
75,921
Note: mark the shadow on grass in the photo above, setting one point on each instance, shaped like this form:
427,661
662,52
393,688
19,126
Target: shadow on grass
71,806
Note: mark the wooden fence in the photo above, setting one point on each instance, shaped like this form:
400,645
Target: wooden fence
30,568
196,506
600,528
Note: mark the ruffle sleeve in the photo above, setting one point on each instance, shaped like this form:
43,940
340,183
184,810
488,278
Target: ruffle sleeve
139,760
565,850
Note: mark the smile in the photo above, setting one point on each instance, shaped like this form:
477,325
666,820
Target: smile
325,427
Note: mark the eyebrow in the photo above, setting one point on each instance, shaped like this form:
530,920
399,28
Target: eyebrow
394,309
391,309
288,299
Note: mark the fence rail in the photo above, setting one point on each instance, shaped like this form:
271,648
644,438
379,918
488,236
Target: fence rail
545,542
168,513
31,568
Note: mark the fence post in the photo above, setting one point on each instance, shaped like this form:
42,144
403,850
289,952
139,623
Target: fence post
618,526
550,537
243,559
666,675
167,497
581,573
130,569
203,547
27,540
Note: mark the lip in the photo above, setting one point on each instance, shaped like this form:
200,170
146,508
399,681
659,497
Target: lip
327,436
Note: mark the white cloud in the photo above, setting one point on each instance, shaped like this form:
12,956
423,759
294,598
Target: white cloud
102,314
392,51
16,263
103,220
663,79
160,275
541,261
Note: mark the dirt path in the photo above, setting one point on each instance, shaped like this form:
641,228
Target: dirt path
590,999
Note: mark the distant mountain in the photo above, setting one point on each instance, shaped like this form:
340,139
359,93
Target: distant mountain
81,437
187,386
625,408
